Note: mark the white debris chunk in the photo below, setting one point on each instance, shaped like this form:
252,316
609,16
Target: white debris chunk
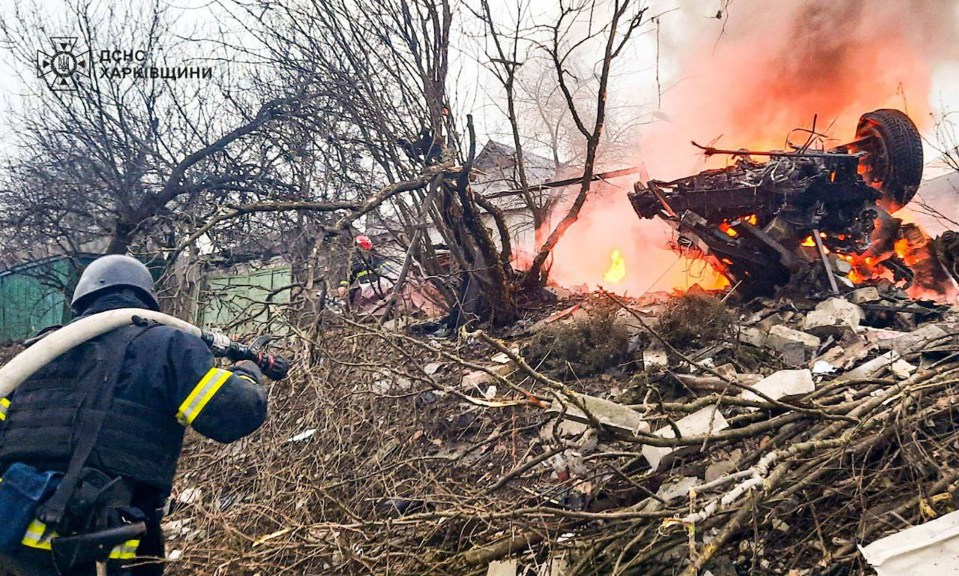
780,337
874,367
305,435
822,367
782,384
605,412
930,548
706,421
502,568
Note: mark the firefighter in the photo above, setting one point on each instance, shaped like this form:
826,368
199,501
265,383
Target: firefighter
363,283
96,435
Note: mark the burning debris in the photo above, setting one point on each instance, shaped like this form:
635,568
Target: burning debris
809,213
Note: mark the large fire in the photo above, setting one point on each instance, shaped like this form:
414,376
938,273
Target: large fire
608,232
913,247
765,65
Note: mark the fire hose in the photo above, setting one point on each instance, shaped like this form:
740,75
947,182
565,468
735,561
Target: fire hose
28,362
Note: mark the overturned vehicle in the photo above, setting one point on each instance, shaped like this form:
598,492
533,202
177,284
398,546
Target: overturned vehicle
823,216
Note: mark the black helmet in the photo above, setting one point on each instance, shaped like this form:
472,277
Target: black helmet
110,272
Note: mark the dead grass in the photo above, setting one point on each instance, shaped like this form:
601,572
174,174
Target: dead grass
584,347
694,319
377,459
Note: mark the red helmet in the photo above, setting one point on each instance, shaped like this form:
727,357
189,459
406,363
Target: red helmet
364,242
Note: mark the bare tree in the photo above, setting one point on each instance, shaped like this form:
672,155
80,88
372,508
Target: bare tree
947,139
383,68
133,164
563,104
614,34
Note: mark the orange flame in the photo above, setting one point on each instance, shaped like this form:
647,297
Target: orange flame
607,224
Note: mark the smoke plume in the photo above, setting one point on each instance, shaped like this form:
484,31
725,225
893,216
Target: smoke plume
745,79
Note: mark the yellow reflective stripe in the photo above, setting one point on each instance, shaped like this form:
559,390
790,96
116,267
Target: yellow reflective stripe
201,395
4,406
125,551
34,537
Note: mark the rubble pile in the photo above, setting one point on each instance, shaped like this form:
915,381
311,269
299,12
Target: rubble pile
795,432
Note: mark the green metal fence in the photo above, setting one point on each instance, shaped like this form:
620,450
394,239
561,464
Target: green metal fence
34,296
246,302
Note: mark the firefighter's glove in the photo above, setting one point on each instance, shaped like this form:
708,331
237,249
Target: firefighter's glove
248,368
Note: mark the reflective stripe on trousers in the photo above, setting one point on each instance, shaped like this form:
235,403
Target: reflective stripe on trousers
36,536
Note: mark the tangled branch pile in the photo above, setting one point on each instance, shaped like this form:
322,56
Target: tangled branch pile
398,455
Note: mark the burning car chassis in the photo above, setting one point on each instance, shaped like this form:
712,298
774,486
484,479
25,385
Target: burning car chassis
820,214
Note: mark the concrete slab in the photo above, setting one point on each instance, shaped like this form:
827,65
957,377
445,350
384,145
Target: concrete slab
930,548
502,568
843,310
752,336
865,295
781,337
822,324
706,421
783,384
608,413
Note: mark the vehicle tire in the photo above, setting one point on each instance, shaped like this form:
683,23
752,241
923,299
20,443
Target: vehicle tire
893,160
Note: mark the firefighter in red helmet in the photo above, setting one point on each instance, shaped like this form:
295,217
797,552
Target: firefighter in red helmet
364,274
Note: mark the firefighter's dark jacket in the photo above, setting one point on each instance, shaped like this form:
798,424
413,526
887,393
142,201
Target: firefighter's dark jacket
167,382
